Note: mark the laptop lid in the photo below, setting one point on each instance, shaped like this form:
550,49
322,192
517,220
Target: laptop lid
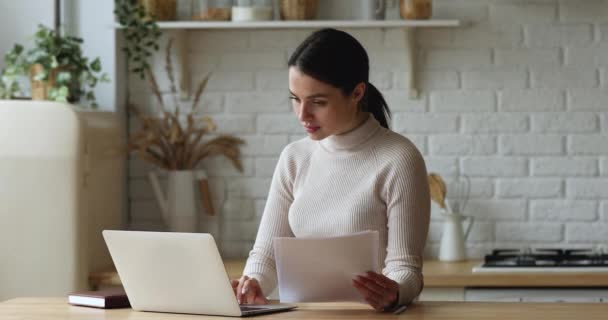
172,272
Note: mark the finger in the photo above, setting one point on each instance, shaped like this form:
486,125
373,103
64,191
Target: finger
259,295
249,291
370,285
260,299
380,279
389,298
239,289
385,281
384,295
371,297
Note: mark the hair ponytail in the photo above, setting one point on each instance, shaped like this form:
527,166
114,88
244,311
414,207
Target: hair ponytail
376,105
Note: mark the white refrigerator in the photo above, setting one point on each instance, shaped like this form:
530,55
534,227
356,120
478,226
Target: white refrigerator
62,181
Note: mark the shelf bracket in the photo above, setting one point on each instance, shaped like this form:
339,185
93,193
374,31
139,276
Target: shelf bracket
410,47
185,79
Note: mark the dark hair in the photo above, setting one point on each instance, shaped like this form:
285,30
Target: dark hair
338,59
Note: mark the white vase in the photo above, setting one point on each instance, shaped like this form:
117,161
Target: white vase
178,204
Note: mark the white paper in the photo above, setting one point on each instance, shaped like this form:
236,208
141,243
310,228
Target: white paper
322,269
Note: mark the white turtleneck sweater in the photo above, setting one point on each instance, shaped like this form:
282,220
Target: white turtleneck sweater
370,178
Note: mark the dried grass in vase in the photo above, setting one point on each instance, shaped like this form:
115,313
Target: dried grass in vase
165,142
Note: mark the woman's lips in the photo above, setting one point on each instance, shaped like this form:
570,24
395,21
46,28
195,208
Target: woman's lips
311,129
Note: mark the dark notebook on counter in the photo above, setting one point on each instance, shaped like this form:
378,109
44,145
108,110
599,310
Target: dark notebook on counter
106,299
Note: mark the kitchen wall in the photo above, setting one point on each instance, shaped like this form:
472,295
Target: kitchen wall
516,100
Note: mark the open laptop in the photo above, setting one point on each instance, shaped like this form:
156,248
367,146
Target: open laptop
176,272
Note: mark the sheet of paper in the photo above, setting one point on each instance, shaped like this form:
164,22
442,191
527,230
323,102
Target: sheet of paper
322,269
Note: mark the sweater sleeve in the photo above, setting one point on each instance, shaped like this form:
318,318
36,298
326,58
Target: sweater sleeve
408,214
261,263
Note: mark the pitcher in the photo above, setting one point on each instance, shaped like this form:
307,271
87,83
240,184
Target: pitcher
453,238
178,206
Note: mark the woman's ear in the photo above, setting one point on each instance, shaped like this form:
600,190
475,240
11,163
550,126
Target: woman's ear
359,92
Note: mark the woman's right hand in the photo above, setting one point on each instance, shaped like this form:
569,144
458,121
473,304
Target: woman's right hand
248,291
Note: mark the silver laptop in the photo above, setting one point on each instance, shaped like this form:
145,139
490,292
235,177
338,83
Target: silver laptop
176,272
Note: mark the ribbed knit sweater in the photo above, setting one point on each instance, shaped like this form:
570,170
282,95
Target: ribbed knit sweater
370,178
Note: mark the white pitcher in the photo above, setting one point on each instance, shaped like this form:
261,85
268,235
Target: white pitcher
453,238
178,205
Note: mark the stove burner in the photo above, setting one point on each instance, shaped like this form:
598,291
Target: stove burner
542,257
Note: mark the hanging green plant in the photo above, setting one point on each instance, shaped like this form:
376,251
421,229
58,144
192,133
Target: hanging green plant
141,35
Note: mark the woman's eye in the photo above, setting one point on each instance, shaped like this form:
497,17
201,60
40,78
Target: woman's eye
318,102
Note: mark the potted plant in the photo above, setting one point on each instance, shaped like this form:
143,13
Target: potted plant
177,142
56,67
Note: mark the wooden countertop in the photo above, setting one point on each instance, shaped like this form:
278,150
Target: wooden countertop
58,308
459,274
439,274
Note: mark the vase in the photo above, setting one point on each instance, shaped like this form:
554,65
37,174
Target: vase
40,89
178,203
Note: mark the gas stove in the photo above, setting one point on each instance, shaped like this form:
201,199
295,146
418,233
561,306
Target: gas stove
545,260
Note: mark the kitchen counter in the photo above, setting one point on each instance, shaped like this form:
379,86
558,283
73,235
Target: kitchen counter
439,274
58,308
459,274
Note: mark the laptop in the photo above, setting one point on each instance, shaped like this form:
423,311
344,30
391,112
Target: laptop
177,273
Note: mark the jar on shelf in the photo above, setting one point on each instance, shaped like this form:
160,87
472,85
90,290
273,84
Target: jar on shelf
160,10
212,10
252,10
416,9
298,9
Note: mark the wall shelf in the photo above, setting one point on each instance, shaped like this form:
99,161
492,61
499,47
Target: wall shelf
305,24
409,27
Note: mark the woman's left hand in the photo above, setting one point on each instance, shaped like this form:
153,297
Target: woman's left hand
378,290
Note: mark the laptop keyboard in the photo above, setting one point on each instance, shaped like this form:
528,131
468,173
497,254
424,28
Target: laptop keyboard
250,308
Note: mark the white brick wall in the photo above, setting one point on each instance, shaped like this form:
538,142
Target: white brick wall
531,144
529,232
515,99
529,188
564,167
563,210
531,100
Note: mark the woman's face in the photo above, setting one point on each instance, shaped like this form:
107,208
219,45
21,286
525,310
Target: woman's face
322,109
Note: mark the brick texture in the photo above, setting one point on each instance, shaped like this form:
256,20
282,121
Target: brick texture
516,100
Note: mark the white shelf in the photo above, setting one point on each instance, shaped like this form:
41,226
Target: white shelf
409,27
311,24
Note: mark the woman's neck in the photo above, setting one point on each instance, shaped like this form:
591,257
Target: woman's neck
359,120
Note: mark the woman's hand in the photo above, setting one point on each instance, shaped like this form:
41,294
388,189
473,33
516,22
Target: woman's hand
248,291
378,290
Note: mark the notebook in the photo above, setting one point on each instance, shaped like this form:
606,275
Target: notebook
176,272
106,299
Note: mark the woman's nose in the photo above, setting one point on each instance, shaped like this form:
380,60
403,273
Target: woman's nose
303,112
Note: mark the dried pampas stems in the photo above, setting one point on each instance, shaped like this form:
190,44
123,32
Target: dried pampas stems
165,142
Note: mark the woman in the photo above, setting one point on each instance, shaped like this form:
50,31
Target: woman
350,174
